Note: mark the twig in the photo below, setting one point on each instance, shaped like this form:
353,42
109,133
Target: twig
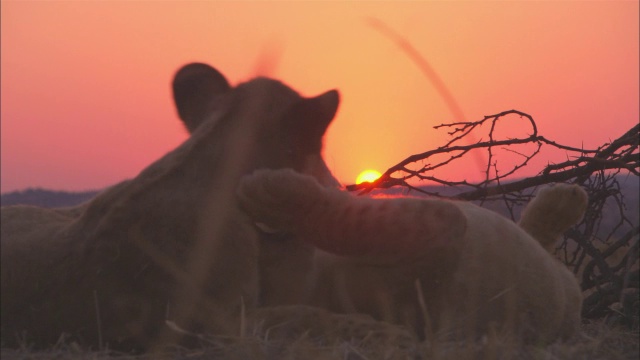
601,270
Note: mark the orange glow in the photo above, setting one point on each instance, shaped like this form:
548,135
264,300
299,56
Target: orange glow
86,101
368,176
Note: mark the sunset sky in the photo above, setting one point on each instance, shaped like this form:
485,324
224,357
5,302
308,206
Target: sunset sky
85,86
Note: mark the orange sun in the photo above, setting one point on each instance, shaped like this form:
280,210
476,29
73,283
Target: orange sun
368,176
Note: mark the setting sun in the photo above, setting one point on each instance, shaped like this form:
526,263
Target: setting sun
368,176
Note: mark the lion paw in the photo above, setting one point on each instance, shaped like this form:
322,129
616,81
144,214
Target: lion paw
277,197
564,204
554,210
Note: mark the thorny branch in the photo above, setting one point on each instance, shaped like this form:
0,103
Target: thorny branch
601,251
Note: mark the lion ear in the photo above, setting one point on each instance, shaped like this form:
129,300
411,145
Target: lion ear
311,117
195,88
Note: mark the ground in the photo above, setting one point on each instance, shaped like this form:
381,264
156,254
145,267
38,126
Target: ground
596,341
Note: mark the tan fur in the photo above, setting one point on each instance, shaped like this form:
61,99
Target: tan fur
170,244
552,212
173,244
477,270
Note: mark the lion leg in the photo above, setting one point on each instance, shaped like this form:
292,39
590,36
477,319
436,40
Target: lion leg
340,223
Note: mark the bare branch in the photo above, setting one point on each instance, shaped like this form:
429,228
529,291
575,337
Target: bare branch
619,154
604,254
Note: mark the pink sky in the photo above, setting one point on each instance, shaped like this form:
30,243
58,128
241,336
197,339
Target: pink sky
86,102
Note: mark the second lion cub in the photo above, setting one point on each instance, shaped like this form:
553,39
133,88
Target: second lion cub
476,269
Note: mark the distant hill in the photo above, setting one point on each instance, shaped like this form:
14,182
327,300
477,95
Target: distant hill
629,185
46,198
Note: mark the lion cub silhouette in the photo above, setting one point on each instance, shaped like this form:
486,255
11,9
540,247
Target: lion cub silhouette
170,244
476,270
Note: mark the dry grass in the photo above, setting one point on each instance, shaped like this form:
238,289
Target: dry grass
596,341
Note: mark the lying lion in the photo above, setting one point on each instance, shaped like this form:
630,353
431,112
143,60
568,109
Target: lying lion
173,247
475,270
170,245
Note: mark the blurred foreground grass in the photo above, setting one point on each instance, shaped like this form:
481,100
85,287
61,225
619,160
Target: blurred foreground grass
596,341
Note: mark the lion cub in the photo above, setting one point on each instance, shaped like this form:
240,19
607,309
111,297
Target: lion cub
475,269
170,246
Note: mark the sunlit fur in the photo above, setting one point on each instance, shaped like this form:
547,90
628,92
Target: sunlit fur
476,270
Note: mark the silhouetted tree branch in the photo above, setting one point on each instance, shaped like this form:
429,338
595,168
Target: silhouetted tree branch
603,255
620,154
